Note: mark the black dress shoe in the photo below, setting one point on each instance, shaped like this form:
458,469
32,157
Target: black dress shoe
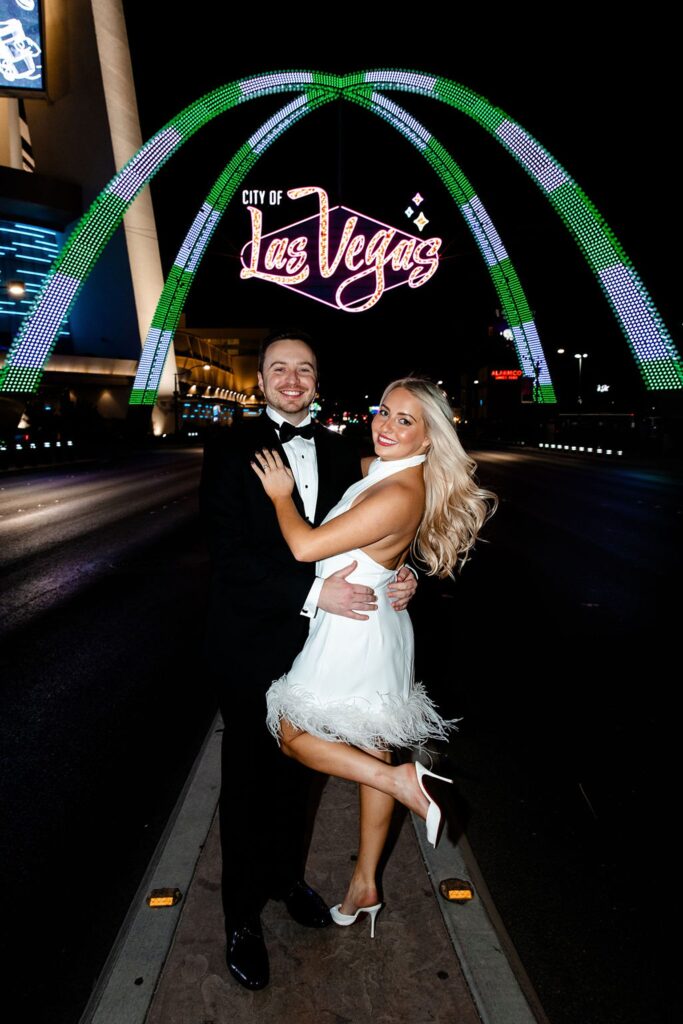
307,907
246,955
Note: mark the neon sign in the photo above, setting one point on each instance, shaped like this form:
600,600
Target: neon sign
338,256
506,374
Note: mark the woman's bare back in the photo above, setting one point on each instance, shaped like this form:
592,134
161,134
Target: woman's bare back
408,490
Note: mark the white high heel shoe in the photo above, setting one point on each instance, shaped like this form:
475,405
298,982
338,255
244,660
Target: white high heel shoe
346,919
433,819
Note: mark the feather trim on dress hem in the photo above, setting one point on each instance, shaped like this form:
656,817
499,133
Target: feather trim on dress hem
396,723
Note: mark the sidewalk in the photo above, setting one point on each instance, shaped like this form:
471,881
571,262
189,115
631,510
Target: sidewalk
430,960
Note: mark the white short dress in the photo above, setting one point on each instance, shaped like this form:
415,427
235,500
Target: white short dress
353,682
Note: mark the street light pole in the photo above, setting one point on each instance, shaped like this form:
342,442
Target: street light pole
176,404
580,356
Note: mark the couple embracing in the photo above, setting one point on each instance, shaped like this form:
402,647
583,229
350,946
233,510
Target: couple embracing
308,603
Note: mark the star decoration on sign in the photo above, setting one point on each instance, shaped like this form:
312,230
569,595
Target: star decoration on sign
420,221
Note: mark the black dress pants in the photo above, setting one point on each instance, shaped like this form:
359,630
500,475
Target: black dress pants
263,808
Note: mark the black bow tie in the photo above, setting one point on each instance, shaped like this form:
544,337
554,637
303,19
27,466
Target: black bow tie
287,431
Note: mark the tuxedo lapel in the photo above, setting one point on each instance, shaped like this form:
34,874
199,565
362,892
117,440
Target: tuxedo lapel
264,433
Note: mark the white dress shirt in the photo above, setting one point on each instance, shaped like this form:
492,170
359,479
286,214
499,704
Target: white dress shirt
304,465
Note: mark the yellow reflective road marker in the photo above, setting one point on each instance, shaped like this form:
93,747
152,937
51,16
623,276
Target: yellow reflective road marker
164,897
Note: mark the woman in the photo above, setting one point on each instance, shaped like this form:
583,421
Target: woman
350,694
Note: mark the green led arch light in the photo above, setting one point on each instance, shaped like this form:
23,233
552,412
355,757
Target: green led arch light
185,265
651,344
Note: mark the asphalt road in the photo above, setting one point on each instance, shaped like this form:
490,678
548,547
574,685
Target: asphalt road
61,529
105,701
552,645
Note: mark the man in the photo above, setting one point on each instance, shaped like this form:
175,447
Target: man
262,599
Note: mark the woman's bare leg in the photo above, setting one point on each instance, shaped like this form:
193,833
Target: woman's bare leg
346,762
376,810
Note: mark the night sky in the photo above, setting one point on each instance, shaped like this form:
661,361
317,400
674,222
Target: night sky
604,105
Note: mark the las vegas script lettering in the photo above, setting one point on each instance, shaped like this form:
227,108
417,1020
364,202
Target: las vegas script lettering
357,272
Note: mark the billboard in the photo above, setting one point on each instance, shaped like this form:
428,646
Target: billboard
21,48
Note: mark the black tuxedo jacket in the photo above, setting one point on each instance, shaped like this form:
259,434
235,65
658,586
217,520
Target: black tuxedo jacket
258,589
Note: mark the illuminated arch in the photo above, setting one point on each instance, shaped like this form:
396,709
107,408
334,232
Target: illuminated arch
650,342
504,276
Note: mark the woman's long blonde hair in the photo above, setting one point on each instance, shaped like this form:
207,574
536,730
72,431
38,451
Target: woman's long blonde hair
456,508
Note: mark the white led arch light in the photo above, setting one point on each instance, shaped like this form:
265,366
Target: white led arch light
650,342
505,279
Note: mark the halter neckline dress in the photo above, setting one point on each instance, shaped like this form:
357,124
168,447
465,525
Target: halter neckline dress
353,682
